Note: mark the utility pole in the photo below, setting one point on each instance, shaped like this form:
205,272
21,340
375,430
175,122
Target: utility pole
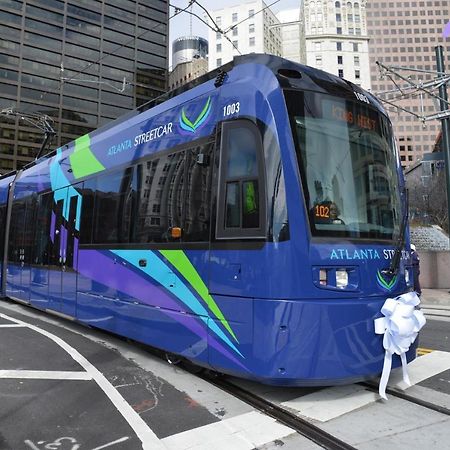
443,103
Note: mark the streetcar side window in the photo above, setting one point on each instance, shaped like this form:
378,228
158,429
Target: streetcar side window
241,206
160,187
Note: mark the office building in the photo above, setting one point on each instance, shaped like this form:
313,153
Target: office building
405,33
247,28
292,27
189,60
120,47
187,71
337,40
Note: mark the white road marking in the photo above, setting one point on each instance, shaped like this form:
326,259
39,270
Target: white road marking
243,432
421,368
118,441
12,325
333,402
148,438
436,312
45,374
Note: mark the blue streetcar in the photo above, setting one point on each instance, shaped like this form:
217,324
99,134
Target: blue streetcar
245,223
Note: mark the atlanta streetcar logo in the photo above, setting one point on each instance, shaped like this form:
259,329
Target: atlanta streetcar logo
193,126
386,284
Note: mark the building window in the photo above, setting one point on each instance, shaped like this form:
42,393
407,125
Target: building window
219,20
218,48
235,45
339,46
350,31
251,42
218,36
339,59
251,28
355,46
357,74
358,31
341,73
356,60
337,4
219,62
234,17
235,31
251,12
338,18
318,46
338,30
318,60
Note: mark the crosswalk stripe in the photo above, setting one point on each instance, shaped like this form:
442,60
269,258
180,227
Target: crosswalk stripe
45,374
339,400
422,368
243,432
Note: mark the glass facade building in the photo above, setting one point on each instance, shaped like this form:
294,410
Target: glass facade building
44,41
405,33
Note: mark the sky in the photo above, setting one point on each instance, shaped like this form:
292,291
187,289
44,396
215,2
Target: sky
180,24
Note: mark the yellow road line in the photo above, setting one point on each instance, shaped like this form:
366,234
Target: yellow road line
423,351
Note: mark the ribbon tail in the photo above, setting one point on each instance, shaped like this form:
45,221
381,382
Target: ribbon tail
385,374
405,369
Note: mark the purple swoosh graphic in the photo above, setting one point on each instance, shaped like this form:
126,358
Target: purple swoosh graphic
129,282
52,227
446,32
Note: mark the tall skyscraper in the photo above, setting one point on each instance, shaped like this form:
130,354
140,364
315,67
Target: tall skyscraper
336,39
119,45
404,33
250,28
189,60
186,48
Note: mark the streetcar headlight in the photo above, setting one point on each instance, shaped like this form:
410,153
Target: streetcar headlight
341,278
407,277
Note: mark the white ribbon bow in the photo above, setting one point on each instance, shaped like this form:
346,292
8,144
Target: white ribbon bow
400,326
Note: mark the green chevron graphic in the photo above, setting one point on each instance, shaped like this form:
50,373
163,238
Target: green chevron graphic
181,262
385,284
187,125
82,160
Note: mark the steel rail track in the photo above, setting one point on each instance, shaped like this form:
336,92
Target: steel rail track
301,426
402,395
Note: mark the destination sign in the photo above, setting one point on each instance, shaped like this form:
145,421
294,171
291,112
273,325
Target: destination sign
352,114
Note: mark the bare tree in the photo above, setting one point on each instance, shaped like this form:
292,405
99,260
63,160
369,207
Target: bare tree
428,199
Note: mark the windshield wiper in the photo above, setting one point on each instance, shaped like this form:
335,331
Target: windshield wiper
395,261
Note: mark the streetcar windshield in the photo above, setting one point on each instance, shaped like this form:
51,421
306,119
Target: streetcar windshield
347,160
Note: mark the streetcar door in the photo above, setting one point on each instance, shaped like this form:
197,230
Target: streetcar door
55,254
15,250
41,251
20,248
61,275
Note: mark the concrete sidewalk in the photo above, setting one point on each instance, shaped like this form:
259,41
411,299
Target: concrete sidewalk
435,303
435,297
